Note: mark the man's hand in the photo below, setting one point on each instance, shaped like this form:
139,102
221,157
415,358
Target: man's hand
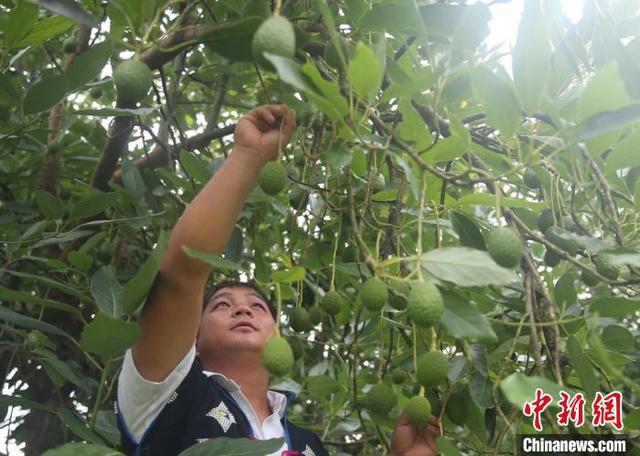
409,440
261,131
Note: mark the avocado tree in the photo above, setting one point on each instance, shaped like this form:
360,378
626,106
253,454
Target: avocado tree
453,226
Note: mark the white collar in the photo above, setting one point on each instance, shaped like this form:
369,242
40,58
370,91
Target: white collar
277,401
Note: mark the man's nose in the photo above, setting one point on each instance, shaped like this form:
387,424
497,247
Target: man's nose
242,308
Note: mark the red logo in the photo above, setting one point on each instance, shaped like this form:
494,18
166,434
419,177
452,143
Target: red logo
536,407
572,409
605,409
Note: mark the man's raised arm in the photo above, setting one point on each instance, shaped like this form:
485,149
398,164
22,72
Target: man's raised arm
172,312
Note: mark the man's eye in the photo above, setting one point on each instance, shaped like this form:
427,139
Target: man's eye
221,304
259,305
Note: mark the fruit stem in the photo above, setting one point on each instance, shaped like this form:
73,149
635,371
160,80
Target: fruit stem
421,393
276,11
284,119
415,347
264,87
278,307
335,251
498,209
434,339
419,243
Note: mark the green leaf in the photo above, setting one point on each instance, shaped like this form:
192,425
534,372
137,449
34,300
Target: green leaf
195,167
51,361
95,204
321,387
70,9
66,237
364,71
617,338
471,29
46,29
291,73
586,242
44,94
107,291
446,447
441,18
107,427
108,337
385,195
336,155
486,199
466,267
481,390
132,179
462,319
232,39
233,249
564,291
23,402
447,149
214,260
77,426
88,65
7,88
49,282
27,297
137,289
604,92
113,112
80,260
226,446
583,367
498,100
624,154
330,100
609,121
23,321
82,449
531,57
614,307
632,420
21,20
519,388
294,274
50,206
467,230
389,16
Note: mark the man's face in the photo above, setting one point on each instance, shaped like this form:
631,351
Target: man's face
235,319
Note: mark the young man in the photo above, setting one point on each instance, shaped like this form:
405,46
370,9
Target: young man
196,373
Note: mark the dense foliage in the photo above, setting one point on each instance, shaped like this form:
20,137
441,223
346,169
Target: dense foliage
415,142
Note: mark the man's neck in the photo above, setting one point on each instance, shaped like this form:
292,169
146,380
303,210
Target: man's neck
251,376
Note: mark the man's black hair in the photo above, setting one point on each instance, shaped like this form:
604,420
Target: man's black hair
232,283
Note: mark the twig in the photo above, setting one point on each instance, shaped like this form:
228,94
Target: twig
606,193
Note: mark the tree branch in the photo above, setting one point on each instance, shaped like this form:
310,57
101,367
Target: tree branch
158,157
120,130
48,178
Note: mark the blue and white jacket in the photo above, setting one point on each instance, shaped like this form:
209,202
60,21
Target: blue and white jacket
200,410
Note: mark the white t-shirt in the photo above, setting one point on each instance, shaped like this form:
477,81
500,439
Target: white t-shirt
140,400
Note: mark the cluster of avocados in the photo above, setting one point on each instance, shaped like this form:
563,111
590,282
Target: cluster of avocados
424,305
562,238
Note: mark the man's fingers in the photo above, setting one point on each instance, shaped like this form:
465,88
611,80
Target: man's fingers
403,419
266,115
290,123
434,430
